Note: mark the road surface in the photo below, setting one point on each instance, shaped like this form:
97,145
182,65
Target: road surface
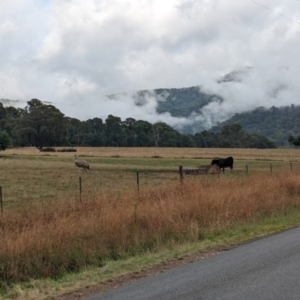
267,268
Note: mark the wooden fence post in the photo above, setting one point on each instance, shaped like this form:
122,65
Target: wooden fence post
291,165
80,188
181,174
247,170
138,181
271,169
1,201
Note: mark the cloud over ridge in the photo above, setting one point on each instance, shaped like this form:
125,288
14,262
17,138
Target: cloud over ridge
75,53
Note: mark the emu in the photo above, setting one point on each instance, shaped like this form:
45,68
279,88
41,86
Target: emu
82,164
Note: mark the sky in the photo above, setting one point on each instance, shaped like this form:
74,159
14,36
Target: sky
73,53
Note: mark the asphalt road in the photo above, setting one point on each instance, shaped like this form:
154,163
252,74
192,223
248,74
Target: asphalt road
268,268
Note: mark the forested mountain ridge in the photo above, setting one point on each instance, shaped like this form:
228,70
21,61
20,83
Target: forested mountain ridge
276,123
180,102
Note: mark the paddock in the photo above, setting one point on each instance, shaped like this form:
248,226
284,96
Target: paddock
30,175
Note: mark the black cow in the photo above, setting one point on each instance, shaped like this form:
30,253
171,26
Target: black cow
223,162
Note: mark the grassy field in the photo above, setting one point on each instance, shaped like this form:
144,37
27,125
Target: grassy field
48,230
194,153
28,175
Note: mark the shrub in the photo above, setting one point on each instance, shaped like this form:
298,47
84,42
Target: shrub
67,150
48,149
4,140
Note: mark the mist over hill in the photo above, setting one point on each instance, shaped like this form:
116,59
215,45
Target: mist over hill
187,110
232,98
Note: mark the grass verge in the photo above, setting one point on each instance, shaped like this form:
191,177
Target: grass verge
92,280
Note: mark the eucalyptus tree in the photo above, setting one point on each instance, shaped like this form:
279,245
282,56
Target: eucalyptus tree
41,125
96,135
187,141
165,136
74,135
116,134
144,134
4,140
295,141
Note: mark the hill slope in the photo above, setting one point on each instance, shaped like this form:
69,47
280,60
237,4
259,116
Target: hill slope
276,123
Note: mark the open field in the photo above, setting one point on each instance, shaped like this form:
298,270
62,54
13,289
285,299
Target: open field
47,231
28,175
205,153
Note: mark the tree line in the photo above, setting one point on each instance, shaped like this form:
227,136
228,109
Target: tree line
42,125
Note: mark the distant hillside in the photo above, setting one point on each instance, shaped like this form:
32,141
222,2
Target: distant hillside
278,124
183,102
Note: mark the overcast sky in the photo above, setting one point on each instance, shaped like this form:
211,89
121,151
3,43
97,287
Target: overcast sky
74,52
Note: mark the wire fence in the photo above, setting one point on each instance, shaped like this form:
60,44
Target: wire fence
138,180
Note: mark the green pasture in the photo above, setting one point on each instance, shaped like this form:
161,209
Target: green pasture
26,178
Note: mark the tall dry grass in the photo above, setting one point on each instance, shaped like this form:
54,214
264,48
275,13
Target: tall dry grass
47,240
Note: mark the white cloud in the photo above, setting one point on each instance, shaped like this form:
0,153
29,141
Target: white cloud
7,28
70,51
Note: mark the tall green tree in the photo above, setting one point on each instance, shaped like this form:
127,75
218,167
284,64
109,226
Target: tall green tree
116,134
41,125
4,140
96,132
232,135
74,132
187,141
294,141
129,126
9,123
165,136
144,134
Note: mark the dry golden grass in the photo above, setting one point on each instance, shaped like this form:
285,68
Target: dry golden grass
48,239
46,231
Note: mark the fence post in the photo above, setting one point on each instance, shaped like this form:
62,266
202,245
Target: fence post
1,201
181,174
291,165
271,169
80,188
247,170
138,181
